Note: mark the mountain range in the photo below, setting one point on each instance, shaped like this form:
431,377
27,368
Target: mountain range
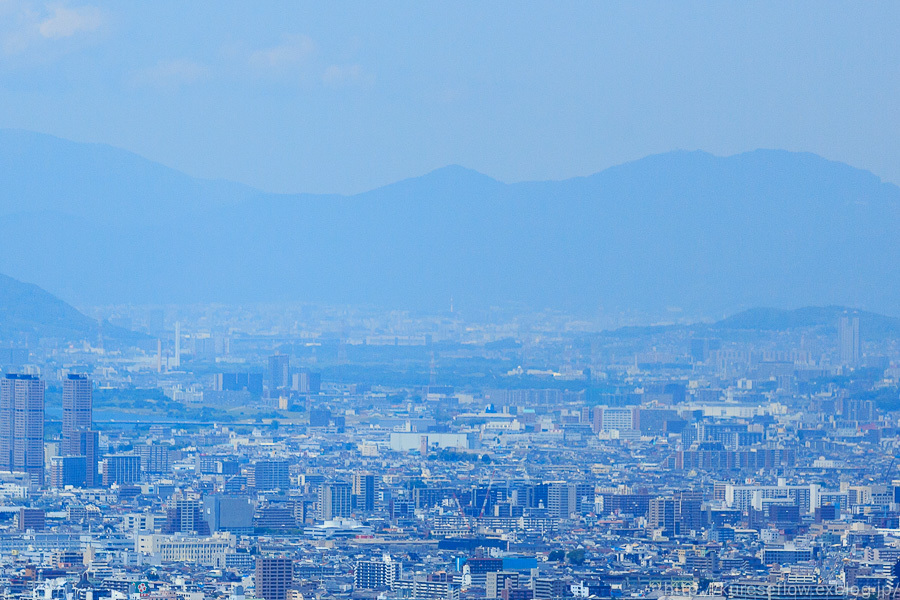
681,231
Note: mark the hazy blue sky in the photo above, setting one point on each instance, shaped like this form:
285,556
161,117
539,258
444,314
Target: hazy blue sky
336,96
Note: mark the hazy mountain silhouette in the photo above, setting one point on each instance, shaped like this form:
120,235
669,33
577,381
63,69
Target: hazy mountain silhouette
824,319
29,313
871,325
684,229
42,173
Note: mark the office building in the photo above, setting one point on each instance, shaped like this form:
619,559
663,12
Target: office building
22,425
229,513
33,519
274,577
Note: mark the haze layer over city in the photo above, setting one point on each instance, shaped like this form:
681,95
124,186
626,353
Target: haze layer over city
449,301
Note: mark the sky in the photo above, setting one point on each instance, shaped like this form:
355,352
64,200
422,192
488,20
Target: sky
346,96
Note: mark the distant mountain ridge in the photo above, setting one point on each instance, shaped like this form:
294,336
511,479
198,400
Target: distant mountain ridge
46,174
29,314
706,234
871,325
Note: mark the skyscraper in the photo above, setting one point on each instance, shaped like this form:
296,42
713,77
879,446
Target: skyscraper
78,415
22,425
848,334
78,437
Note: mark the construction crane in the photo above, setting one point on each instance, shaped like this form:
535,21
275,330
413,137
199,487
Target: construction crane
487,493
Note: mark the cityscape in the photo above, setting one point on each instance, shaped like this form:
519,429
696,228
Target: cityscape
449,300
325,452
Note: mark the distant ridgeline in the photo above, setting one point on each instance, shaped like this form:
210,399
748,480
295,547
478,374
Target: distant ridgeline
683,230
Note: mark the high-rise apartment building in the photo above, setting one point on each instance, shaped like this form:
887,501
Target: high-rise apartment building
564,499
185,516
78,437
274,576
497,581
22,425
87,444
364,490
78,413
306,382
154,458
334,500
848,334
239,382
376,574
663,515
279,372
124,469
618,418
270,475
